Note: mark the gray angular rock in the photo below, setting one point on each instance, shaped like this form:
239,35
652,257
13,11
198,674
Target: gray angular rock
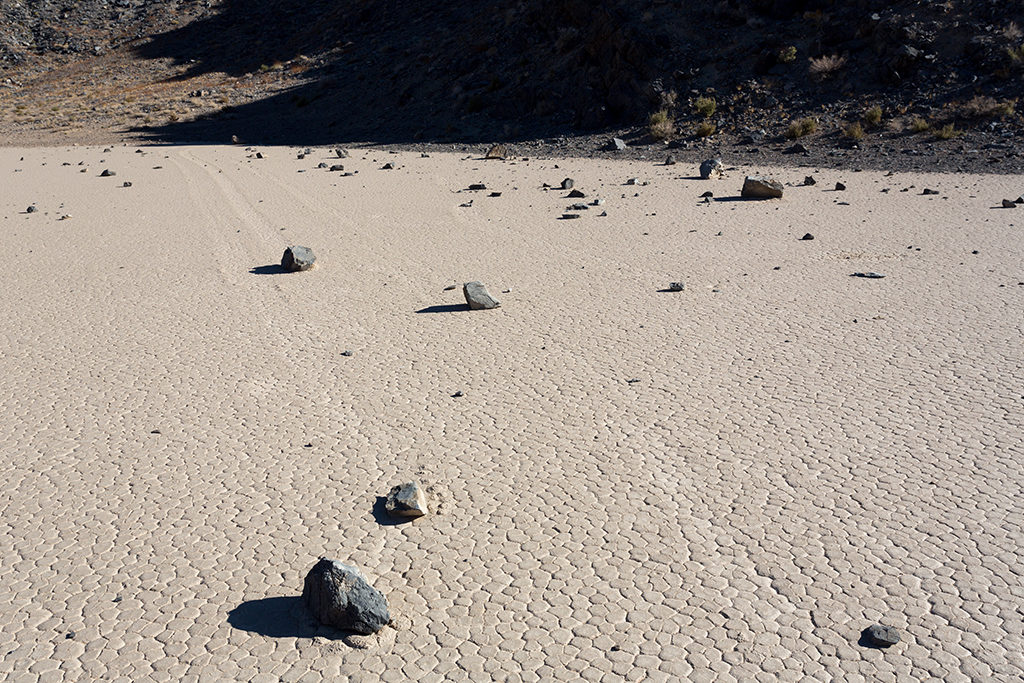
676,286
883,636
670,160
618,144
107,173
478,297
760,187
297,258
711,168
1008,204
568,183
340,596
407,500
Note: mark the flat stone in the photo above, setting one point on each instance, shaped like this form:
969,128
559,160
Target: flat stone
760,187
341,596
1008,204
478,297
107,173
336,167
407,500
618,144
807,236
883,636
711,168
676,286
928,190
297,258
575,194
870,274
840,187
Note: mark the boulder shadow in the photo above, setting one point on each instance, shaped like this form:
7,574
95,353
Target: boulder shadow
381,515
271,617
447,308
273,269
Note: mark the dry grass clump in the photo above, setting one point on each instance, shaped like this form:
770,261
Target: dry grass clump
947,132
661,126
705,106
873,115
705,129
798,129
919,125
825,67
981,106
854,131
786,55
1016,54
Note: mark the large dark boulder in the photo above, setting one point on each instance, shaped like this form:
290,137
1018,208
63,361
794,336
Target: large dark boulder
297,258
340,596
758,187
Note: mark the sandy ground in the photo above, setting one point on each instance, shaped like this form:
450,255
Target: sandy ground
726,483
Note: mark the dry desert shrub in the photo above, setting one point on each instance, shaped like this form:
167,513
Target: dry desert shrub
798,129
947,132
705,106
981,106
661,126
873,115
825,67
705,129
919,125
854,131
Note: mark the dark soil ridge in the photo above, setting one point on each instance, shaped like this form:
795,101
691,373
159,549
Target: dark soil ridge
557,78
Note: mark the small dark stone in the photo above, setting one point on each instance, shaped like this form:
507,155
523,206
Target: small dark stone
569,216
777,268
458,394
670,160
107,173
707,194
126,184
31,209
676,286
336,167
809,180
323,165
975,252
929,191
1007,204
388,166
494,194
840,187
808,236
297,258
883,636
1019,200
69,635
575,194
259,155
477,186
346,353
796,149
568,183
301,156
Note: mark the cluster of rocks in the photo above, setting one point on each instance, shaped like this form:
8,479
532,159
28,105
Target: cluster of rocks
339,595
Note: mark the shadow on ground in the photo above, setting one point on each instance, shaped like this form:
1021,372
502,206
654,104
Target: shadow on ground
392,73
271,617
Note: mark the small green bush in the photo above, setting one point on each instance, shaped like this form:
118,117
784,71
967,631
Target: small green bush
705,106
947,132
787,55
661,126
919,125
798,129
854,131
873,115
705,129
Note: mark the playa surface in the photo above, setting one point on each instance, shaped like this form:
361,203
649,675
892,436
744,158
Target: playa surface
730,483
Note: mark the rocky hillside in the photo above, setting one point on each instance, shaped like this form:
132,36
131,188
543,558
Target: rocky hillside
396,71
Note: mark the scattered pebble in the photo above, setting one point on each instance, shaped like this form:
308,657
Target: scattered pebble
809,180
808,236
928,190
1009,204
569,216
568,183
126,184
458,394
107,173
840,187
346,353
870,274
676,286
